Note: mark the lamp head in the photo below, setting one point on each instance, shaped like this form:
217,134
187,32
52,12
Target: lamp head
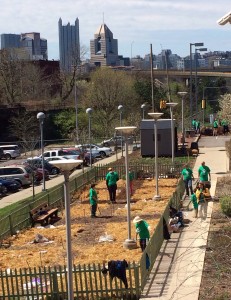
89,110
225,19
198,44
143,106
41,116
155,116
182,93
120,107
201,49
171,104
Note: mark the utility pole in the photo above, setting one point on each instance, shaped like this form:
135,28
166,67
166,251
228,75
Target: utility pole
152,79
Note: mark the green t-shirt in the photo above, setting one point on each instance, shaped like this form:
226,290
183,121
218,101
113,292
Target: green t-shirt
93,196
194,200
187,174
111,178
215,124
131,176
142,229
204,172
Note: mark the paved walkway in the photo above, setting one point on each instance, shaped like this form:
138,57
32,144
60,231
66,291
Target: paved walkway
178,270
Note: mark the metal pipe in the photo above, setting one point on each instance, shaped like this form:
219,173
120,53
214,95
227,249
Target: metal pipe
68,234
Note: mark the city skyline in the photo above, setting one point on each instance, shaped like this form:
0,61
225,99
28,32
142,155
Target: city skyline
135,23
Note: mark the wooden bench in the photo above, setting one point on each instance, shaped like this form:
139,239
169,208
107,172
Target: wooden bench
43,214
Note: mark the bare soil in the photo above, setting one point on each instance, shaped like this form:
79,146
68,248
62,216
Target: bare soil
215,283
20,250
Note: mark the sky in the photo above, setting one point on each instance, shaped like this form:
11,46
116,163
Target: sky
137,24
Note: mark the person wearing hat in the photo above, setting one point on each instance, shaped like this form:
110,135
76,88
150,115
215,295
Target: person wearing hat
142,229
111,181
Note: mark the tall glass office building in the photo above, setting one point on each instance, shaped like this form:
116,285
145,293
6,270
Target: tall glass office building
69,46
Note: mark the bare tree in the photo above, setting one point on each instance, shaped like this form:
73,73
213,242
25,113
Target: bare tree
25,127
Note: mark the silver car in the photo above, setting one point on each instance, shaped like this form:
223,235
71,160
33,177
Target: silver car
22,174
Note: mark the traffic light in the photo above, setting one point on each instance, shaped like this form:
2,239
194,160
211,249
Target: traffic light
203,104
162,104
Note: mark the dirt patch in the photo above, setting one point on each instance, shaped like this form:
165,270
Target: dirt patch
20,251
217,271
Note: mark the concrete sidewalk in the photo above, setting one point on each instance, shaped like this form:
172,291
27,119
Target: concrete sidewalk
178,270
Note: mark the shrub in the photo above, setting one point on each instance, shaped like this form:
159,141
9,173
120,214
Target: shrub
225,203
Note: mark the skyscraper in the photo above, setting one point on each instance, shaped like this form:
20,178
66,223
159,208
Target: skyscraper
30,44
104,48
35,46
69,46
9,40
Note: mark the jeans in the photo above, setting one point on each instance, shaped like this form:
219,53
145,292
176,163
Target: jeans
187,188
112,192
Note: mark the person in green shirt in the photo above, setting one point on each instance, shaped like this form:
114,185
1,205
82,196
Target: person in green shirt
142,229
187,176
215,127
193,199
198,127
93,197
225,125
194,122
111,181
204,173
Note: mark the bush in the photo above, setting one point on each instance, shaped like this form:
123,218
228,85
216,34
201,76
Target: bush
225,203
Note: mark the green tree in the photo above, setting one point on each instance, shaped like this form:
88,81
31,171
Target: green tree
107,90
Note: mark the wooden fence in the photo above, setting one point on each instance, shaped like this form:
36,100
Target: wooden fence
51,283
88,281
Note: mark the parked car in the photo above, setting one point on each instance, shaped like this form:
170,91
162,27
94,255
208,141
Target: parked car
97,151
37,163
10,151
1,153
21,173
116,141
73,154
11,185
3,189
84,155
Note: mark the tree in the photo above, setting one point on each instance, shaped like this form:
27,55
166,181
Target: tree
10,71
225,107
106,91
25,127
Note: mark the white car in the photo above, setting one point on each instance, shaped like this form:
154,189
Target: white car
97,151
56,158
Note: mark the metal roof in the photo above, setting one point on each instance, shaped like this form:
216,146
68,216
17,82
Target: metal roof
161,124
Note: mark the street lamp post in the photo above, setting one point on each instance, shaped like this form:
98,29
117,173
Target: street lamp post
89,112
120,109
143,106
41,116
191,106
171,105
131,53
76,114
156,116
182,94
129,243
66,166
196,86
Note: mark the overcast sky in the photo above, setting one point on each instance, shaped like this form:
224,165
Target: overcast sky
172,24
